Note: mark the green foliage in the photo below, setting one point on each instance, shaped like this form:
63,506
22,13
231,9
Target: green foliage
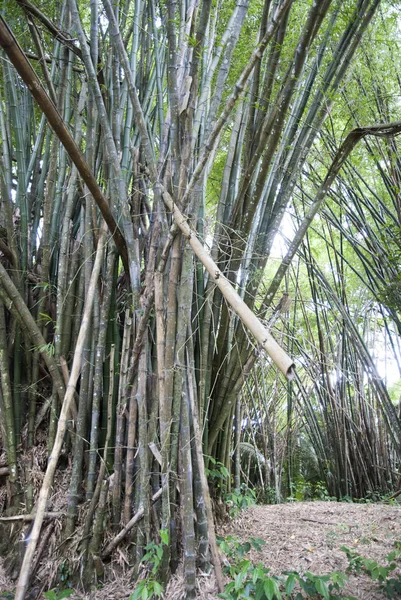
65,573
240,499
390,586
219,472
307,490
254,581
266,495
58,595
149,587
55,594
191,41
47,348
45,318
373,496
235,550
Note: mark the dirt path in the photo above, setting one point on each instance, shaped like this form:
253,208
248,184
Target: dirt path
307,536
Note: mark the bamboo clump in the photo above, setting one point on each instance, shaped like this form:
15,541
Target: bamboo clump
145,327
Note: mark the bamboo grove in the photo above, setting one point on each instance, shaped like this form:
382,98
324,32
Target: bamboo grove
151,154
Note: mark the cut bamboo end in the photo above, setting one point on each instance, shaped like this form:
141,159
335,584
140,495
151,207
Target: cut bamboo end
290,372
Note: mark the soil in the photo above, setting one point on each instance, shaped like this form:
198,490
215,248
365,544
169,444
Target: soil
305,536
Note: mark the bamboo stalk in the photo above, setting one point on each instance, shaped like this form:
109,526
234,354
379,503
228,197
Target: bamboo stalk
23,580
186,497
15,304
6,391
206,493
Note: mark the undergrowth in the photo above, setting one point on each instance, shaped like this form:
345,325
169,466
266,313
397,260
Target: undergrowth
255,581
388,583
248,580
149,586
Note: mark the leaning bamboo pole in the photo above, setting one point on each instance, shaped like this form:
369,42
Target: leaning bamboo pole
22,65
23,581
247,316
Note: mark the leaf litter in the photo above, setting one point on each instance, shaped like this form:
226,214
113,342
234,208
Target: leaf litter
307,536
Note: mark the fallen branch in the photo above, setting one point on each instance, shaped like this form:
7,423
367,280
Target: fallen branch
26,518
316,521
120,536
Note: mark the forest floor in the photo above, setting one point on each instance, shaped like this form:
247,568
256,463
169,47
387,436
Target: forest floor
303,536
307,536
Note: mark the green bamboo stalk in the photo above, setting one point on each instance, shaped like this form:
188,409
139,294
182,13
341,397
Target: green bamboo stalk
143,535
201,522
186,498
98,374
164,415
123,395
7,401
75,492
130,455
102,471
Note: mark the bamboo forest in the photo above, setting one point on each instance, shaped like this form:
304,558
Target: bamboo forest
200,290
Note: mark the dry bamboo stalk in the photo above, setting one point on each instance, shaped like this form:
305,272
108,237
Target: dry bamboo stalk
256,327
27,518
23,580
205,485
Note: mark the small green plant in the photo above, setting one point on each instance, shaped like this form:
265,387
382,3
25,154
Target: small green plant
317,586
58,594
240,499
46,348
390,586
65,588
266,495
255,581
218,472
235,550
149,587
308,490
320,491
